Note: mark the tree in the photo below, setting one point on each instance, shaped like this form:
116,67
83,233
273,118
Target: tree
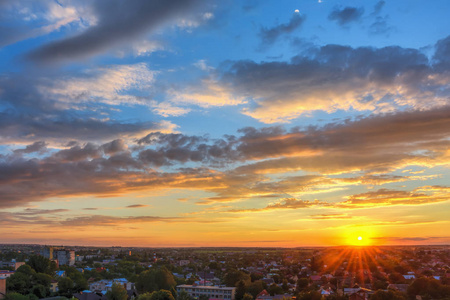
256,287
117,292
388,295
15,296
312,295
39,290
65,286
428,287
302,284
19,282
155,279
41,264
275,289
233,276
337,297
183,295
157,295
247,296
240,290
285,286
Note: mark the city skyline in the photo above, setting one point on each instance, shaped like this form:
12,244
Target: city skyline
224,123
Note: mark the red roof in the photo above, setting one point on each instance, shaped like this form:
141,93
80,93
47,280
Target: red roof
263,293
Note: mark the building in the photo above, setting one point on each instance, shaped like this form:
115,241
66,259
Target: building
212,292
2,288
11,264
47,252
5,274
106,285
65,257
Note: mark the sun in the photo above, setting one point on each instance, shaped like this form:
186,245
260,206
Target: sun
359,238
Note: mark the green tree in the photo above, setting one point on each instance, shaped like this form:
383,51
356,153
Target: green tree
312,295
302,284
247,296
337,297
240,290
117,292
39,290
183,295
157,295
429,287
233,276
65,286
285,286
256,287
388,295
15,296
41,264
155,279
275,289
19,283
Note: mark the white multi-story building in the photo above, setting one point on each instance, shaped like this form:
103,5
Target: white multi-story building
106,285
212,292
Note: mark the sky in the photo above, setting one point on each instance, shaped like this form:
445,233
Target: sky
225,123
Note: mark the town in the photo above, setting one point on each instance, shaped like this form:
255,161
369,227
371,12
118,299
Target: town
30,272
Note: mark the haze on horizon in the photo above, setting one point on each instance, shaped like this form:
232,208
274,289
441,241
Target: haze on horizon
250,123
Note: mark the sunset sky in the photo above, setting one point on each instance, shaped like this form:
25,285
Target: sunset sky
224,123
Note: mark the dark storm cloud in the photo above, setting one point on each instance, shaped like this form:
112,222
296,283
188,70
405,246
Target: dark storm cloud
270,35
118,21
346,15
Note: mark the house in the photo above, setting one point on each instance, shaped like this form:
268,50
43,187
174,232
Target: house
264,295
60,273
212,292
315,279
6,274
54,286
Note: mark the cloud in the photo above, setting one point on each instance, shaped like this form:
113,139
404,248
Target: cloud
336,78
40,147
289,203
24,128
106,85
118,21
236,168
346,15
137,206
412,239
378,7
331,217
270,35
384,142
209,94
21,20
385,197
